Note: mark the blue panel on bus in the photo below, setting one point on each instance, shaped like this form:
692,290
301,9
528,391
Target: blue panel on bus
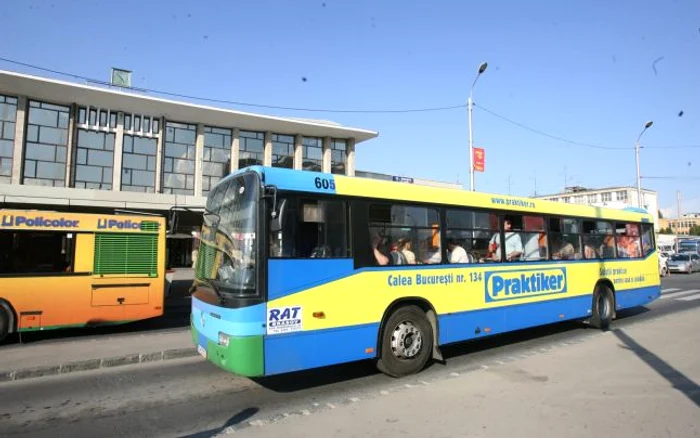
288,179
636,297
534,314
318,348
245,321
286,276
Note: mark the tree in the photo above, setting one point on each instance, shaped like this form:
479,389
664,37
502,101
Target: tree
694,230
665,231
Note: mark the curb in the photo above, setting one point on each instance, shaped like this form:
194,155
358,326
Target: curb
94,364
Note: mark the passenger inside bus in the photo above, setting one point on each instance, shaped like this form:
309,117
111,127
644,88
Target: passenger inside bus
513,244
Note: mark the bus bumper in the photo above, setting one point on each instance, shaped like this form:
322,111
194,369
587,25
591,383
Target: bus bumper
232,339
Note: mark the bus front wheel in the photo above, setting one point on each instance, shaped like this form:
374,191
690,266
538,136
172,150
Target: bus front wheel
603,307
407,342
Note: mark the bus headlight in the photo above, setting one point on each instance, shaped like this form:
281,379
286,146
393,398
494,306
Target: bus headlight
223,339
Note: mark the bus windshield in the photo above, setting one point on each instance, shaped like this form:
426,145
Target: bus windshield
227,250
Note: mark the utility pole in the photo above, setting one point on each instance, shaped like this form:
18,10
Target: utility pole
509,175
678,200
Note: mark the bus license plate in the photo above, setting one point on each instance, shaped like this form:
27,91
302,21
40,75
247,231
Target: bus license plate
202,351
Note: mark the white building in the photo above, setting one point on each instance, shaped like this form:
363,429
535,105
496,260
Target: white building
611,197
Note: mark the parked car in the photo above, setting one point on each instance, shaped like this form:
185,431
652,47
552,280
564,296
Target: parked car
684,262
663,264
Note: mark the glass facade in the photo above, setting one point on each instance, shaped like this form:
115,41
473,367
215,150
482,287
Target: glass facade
46,145
139,164
339,157
94,160
312,156
179,158
216,162
8,115
283,151
252,146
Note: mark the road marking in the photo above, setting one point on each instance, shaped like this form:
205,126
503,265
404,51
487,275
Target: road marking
690,298
672,289
680,294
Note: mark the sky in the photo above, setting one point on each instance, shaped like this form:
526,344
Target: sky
591,72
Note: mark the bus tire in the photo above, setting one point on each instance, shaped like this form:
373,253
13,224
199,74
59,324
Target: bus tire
406,343
603,307
5,319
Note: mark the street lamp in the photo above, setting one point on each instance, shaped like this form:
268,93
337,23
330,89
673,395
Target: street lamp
470,106
647,125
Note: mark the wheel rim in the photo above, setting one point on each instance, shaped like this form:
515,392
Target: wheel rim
406,340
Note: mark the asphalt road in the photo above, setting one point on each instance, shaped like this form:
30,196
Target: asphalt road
191,397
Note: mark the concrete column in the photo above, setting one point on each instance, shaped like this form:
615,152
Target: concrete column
350,151
198,160
159,157
326,167
267,155
20,134
118,153
71,148
235,149
299,152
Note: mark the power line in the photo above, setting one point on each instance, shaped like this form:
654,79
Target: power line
233,102
691,146
537,131
672,177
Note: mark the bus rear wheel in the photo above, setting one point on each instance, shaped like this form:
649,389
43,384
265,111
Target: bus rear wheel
4,323
407,342
603,307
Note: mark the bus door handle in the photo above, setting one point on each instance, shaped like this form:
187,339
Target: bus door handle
120,300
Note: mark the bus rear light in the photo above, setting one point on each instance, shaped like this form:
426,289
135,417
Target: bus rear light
487,329
561,316
319,315
223,339
369,350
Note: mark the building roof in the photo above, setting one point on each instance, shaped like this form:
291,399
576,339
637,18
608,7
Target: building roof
55,91
584,190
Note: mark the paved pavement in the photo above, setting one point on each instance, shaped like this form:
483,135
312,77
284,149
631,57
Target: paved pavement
637,381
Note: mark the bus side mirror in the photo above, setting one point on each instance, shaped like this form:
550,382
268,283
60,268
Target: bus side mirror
277,215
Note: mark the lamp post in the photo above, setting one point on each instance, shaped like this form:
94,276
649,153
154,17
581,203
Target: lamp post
470,106
647,125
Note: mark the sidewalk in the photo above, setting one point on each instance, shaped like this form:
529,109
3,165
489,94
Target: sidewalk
19,361
638,381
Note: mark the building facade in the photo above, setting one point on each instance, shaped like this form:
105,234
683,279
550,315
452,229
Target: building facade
69,146
681,226
611,197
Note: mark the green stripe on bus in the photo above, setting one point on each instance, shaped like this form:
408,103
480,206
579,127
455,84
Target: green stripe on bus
243,356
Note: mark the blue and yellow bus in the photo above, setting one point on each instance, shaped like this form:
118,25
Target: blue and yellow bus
298,270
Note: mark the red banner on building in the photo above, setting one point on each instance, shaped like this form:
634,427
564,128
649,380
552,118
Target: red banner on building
479,159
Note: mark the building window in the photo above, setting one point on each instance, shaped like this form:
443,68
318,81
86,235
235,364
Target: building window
592,199
179,158
8,115
216,162
554,199
282,151
252,145
46,145
606,197
621,195
94,160
312,156
139,164
339,156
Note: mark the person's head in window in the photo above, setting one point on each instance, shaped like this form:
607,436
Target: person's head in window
380,249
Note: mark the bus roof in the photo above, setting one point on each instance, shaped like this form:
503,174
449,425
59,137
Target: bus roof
313,182
43,220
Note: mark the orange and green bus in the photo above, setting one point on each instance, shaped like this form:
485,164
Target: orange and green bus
61,270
